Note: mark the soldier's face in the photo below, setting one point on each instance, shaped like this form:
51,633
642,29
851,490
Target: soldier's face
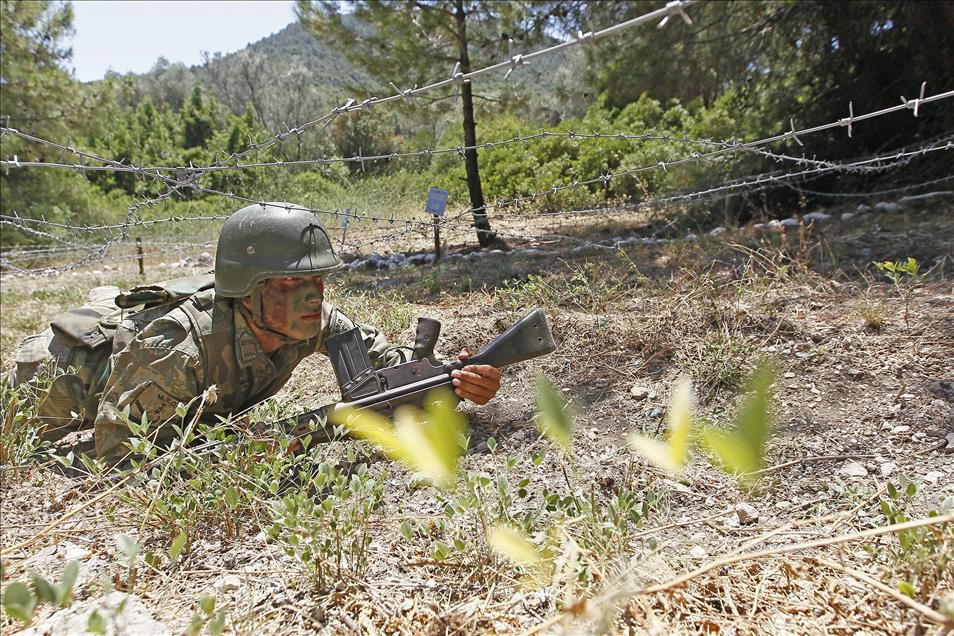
292,306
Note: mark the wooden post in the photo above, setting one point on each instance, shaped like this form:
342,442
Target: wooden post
140,256
437,239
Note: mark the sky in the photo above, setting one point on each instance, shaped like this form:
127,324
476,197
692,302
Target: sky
130,35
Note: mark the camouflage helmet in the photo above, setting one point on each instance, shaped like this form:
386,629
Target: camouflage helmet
270,240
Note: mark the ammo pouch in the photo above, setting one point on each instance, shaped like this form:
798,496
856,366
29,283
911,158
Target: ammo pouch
95,323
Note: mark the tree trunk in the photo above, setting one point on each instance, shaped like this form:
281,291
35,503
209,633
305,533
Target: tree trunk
484,235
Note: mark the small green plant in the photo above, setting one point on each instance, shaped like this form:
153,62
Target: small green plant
20,601
207,616
921,556
900,271
906,277
21,432
331,535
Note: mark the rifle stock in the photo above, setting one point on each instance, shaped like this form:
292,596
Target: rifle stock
410,382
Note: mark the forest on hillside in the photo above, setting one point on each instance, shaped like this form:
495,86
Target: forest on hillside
740,71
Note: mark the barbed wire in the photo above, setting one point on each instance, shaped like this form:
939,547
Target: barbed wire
422,153
458,77
458,223
725,146
871,193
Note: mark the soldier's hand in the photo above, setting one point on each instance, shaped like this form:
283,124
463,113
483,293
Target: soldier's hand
478,383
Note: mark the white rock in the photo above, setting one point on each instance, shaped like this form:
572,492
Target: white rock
639,392
228,583
691,237
862,208
789,375
717,231
950,441
933,477
789,222
746,513
887,468
900,429
675,485
887,206
122,614
847,216
816,216
853,469
783,505
698,552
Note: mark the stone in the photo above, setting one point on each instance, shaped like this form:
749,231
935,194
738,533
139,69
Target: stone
887,206
853,469
888,468
675,485
121,613
717,231
421,259
398,258
691,237
746,513
900,429
656,414
933,477
950,441
862,209
789,375
816,216
698,552
639,393
789,222
228,583
847,216
783,505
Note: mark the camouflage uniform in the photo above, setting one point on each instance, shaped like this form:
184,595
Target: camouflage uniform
172,359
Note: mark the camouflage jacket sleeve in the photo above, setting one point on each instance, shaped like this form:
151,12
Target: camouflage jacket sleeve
151,376
335,321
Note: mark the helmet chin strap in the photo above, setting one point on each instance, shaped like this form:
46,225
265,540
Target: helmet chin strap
257,315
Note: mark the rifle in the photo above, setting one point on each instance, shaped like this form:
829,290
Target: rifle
383,390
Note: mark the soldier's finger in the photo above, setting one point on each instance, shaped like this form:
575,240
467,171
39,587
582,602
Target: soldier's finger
476,378
473,387
484,370
476,398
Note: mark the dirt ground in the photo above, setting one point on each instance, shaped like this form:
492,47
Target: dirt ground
864,400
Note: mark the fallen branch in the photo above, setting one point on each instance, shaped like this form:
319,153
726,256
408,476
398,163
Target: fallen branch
874,532
924,610
803,460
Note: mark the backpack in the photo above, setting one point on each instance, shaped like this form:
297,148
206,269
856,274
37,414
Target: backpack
97,324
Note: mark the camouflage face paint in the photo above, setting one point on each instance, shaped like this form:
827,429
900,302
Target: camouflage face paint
292,306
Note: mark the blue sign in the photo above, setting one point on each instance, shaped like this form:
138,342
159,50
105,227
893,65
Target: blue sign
436,201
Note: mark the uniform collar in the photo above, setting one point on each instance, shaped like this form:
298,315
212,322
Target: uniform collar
248,351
